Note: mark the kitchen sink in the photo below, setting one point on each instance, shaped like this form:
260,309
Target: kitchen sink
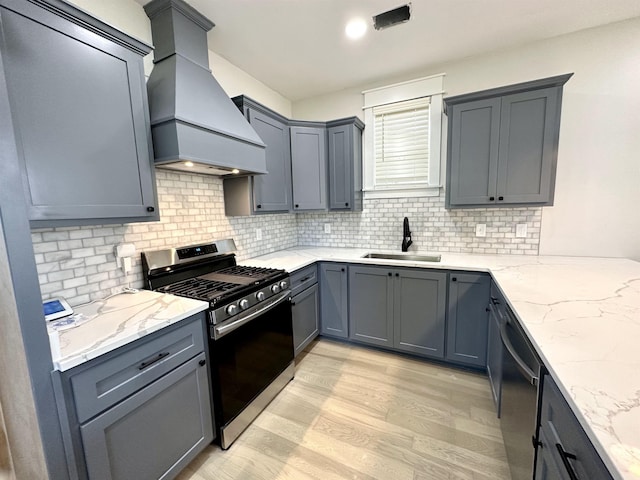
404,256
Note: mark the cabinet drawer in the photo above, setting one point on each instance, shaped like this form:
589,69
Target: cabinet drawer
109,381
561,432
303,278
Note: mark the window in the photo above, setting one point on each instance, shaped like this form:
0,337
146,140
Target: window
402,139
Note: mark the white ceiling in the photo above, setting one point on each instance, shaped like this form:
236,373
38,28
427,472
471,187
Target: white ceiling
298,47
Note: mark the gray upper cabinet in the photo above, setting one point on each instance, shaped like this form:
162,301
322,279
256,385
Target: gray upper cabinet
371,305
79,106
334,292
345,164
467,320
309,166
502,145
420,312
271,192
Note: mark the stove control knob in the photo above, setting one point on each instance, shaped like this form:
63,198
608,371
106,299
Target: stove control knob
232,310
260,296
283,285
244,304
275,288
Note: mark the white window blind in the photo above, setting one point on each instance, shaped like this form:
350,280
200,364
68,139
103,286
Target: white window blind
401,143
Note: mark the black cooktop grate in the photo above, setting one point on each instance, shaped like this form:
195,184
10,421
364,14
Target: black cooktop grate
257,273
199,288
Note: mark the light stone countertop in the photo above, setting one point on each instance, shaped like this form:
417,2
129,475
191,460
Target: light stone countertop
117,321
583,317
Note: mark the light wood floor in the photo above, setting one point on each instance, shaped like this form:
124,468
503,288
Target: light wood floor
356,413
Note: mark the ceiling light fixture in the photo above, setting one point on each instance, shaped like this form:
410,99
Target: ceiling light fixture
188,164
235,171
356,28
392,17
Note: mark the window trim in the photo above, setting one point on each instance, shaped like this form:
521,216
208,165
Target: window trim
432,87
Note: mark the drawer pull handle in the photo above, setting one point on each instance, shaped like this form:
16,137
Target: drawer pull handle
565,456
495,301
305,278
155,359
202,363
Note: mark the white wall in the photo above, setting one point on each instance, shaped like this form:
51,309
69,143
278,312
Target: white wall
598,179
129,16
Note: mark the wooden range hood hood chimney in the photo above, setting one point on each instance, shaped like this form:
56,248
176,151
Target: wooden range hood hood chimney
194,124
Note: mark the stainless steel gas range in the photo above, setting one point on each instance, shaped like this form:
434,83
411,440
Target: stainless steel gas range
249,324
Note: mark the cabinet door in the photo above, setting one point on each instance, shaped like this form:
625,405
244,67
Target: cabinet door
371,305
305,318
79,107
341,152
334,313
467,320
494,358
473,152
420,312
309,168
154,433
272,191
529,124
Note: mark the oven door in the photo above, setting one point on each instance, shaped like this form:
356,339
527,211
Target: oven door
249,353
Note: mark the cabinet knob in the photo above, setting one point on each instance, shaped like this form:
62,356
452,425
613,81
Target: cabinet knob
259,206
342,269
151,209
487,309
397,274
202,363
389,273
492,198
500,198
346,204
454,279
297,205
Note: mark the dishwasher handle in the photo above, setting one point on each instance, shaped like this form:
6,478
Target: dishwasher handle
529,374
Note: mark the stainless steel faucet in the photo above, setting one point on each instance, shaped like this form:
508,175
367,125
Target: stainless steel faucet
406,236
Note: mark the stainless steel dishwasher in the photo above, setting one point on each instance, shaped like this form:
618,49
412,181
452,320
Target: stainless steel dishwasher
522,370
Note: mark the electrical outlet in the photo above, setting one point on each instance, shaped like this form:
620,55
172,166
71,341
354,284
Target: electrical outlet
481,229
521,230
258,234
327,228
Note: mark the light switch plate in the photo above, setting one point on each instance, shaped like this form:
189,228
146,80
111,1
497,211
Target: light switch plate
327,228
481,229
521,230
258,234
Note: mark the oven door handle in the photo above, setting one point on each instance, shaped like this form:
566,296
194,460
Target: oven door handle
529,374
223,330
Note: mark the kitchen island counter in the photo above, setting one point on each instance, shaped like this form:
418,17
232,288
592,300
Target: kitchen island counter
583,317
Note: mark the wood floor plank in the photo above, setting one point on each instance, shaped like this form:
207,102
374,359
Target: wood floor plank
358,413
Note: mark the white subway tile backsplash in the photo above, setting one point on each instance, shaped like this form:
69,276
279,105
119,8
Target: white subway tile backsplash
79,263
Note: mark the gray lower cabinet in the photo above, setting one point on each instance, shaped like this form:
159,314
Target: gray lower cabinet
502,145
141,411
309,166
420,312
271,192
305,312
467,318
344,138
403,309
564,451
154,433
334,298
371,305
79,107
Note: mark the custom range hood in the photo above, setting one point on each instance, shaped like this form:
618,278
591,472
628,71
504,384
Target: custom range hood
194,124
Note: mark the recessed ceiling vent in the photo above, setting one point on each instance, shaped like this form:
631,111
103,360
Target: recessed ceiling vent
392,17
